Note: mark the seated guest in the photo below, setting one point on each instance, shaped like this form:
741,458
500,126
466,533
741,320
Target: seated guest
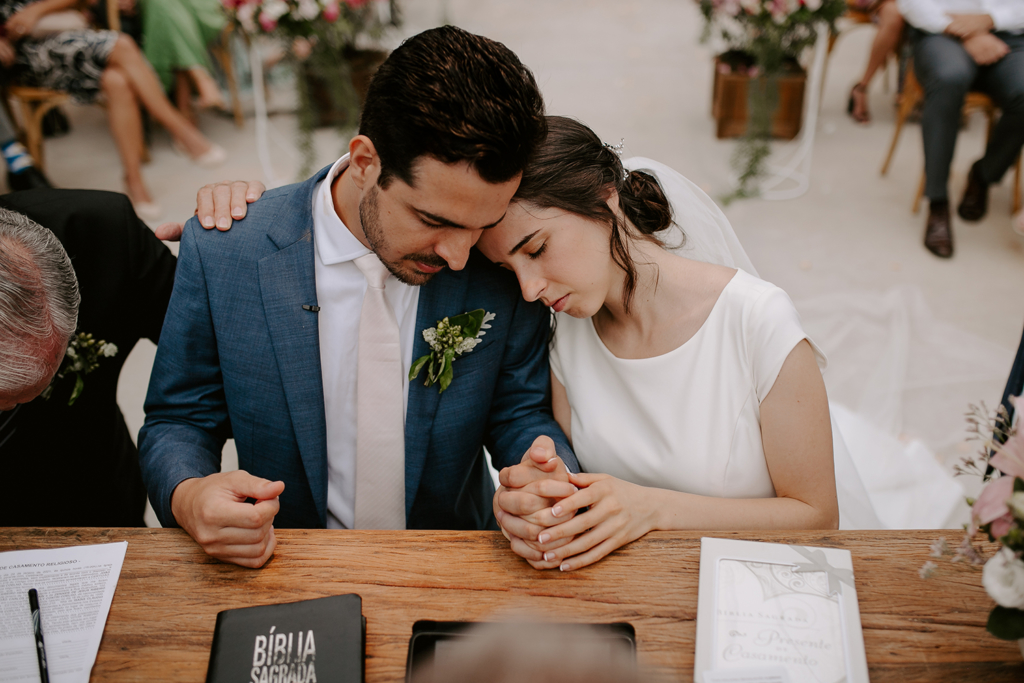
890,28
295,332
175,36
963,45
85,63
22,173
72,463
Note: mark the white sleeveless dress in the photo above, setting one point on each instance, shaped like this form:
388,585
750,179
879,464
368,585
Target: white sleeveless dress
689,420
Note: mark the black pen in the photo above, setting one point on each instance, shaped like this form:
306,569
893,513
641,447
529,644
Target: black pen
37,629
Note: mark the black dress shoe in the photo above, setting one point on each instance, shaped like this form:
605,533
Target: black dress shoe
29,179
975,202
938,233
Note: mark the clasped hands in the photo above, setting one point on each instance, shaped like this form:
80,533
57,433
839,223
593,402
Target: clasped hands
554,518
974,32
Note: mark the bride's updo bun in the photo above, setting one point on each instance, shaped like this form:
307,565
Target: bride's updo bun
574,170
644,203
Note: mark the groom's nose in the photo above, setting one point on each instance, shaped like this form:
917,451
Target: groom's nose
455,245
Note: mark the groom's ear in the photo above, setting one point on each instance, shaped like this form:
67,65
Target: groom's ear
363,161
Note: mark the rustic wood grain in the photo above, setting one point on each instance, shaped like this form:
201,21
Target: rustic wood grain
161,620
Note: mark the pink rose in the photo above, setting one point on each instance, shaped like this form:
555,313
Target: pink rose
991,504
267,22
332,12
355,3
1001,526
1009,457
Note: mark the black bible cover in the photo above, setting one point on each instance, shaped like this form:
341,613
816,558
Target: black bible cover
298,642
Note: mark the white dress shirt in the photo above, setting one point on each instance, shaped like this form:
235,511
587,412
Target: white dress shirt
340,287
933,15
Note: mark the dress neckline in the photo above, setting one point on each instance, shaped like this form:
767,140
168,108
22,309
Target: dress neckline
608,352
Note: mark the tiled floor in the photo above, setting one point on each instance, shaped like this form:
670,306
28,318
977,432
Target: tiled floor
638,71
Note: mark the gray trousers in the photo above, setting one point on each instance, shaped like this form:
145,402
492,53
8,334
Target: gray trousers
947,73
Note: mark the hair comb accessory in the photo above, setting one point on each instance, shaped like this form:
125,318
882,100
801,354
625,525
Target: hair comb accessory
617,148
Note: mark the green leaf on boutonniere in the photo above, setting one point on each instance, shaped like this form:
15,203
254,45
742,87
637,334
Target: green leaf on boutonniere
452,337
1006,623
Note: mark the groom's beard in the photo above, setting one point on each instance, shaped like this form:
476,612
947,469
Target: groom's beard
404,269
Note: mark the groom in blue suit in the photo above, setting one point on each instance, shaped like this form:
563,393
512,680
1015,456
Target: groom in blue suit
262,337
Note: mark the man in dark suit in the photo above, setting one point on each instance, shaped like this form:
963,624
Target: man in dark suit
75,465
264,339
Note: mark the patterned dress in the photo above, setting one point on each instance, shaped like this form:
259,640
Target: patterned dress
71,61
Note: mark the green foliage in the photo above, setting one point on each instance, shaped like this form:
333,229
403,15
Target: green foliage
1006,623
772,36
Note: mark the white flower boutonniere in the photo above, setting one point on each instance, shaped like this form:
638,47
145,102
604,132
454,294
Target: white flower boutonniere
451,338
82,357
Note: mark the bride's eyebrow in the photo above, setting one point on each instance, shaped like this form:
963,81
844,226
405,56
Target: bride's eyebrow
523,242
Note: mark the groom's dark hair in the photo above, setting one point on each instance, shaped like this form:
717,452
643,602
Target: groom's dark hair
454,96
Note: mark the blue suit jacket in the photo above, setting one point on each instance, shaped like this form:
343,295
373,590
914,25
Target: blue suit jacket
239,357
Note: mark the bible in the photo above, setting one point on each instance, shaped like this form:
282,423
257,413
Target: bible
323,639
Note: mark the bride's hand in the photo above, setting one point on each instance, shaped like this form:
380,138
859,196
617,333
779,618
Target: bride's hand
619,513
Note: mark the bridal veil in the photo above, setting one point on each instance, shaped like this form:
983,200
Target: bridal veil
702,232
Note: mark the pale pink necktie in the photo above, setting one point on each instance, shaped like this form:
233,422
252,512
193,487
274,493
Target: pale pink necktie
380,432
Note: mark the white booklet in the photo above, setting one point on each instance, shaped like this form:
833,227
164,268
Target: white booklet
775,613
75,587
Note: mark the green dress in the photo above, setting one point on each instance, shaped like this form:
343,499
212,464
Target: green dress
175,34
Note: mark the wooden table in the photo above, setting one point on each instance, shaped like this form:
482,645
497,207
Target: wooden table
162,617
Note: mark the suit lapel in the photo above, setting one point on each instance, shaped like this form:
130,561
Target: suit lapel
444,295
287,283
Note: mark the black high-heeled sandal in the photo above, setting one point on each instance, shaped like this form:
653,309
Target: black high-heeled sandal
851,103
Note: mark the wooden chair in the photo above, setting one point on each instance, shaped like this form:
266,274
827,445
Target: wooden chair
34,103
912,94
221,51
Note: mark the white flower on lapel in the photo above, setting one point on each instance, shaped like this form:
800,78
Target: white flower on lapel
451,338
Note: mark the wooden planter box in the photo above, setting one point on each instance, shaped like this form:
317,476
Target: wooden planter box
730,104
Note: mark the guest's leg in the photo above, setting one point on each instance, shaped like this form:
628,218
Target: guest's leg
1004,82
183,96
946,73
126,127
127,58
890,26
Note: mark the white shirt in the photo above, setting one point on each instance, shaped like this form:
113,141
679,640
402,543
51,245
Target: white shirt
933,15
690,419
340,287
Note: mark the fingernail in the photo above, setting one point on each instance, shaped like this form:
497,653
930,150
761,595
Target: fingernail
557,510
544,538
250,197
207,221
564,567
223,222
548,557
237,213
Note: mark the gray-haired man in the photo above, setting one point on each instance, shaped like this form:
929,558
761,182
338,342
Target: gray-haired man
72,465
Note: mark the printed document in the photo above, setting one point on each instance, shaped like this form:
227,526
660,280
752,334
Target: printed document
75,588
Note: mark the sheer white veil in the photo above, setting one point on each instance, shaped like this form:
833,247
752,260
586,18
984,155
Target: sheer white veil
709,236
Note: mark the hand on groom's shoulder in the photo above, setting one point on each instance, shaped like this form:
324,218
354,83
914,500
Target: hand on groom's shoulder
217,206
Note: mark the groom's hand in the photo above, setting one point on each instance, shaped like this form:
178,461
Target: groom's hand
213,510
523,501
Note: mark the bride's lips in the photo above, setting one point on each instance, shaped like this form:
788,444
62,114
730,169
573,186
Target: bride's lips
560,304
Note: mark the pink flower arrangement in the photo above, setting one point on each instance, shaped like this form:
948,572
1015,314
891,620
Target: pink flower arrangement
299,18
998,512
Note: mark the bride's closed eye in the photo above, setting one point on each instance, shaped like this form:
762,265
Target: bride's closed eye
540,250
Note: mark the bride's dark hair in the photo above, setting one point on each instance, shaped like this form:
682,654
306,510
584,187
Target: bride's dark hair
573,170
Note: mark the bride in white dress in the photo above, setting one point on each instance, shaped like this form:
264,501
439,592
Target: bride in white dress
691,394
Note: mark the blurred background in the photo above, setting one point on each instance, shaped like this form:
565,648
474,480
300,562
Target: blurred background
912,339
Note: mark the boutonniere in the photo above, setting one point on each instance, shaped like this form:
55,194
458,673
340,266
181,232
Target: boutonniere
82,357
451,338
